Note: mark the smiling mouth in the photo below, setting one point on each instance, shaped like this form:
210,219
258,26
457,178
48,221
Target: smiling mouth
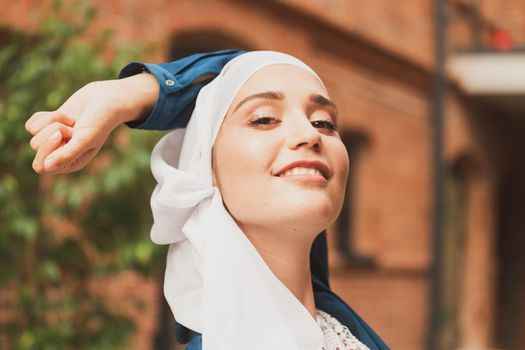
301,171
305,169
304,174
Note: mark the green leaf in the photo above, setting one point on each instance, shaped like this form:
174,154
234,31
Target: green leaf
49,270
57,233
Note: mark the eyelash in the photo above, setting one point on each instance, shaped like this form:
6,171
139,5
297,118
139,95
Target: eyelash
321,124
263,116
326,124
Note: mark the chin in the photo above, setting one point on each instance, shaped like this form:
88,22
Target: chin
314,214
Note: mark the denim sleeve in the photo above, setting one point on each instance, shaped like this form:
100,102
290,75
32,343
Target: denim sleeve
161,118
178,90
195,343
192,339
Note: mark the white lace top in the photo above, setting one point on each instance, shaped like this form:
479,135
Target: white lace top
337,336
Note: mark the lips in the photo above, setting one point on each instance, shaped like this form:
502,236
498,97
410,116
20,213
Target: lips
310,164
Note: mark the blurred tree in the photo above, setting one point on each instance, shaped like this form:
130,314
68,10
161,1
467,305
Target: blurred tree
58,233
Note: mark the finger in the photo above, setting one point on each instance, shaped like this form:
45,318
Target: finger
44,134
63,157
47,147
40,120
75,164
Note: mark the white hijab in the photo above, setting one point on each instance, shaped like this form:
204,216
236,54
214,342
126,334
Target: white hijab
216,283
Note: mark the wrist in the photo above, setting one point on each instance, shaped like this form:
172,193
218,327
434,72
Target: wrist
139,95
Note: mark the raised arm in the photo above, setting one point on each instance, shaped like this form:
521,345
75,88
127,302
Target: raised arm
161,98
65,140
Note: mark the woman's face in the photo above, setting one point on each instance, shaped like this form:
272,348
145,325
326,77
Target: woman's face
278,158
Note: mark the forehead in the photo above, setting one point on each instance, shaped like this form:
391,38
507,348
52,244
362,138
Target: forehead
285,78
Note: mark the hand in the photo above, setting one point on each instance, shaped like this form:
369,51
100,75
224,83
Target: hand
67,139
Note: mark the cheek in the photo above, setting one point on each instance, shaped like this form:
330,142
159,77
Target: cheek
338,157
341,165
241,172
343,161
241,159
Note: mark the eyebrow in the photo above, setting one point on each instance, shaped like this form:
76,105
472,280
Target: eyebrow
276,95
322,101
269,95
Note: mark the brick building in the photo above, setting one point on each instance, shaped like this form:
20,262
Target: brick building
378,60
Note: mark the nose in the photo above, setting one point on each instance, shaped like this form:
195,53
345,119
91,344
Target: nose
303,134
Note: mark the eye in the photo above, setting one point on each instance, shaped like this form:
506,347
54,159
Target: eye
264,118
324,124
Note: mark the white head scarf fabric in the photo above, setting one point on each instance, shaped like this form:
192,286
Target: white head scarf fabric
216,283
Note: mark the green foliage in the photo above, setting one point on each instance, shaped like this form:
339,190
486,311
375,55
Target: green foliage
57,233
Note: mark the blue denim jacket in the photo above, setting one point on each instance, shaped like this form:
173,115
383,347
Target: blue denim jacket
173,109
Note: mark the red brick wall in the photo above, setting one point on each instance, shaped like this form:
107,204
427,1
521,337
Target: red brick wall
401,28
507,15
491,15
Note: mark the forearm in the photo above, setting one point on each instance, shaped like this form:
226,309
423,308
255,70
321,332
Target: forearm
139,93
146,96
67,139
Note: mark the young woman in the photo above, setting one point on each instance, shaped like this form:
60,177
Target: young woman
243,192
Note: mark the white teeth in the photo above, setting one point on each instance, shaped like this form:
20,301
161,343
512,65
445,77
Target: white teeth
301,171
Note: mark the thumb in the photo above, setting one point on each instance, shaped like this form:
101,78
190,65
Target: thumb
63,157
